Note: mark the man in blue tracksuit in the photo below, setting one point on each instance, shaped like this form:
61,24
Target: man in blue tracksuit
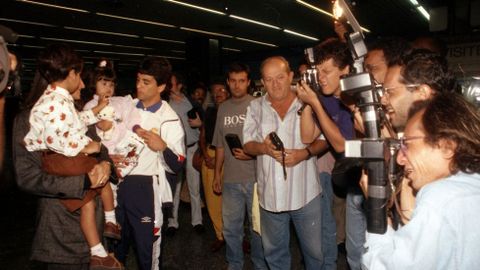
148,186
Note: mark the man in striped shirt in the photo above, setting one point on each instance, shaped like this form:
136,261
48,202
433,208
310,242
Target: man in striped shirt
283,197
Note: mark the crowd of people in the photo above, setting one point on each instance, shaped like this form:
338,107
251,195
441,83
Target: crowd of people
114,166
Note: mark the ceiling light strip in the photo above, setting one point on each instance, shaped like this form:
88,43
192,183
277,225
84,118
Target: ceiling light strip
256,42
166,40
196,7
421,9
120,53
424,12
76,41
33,46
96,57
27,22
132,47
312,7
171,57
205,32
135,20
26,36
299,34
254,22
100,32
53,6
231,49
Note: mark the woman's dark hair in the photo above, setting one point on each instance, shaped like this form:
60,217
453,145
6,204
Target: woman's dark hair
39,84
57,60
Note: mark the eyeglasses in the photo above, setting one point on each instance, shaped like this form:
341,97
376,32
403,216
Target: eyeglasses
387,91
404,140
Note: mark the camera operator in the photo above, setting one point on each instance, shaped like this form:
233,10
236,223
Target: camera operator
421,75
332,60
440,151
383,54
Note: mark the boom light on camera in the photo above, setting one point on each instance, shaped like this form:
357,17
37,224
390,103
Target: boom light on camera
377,153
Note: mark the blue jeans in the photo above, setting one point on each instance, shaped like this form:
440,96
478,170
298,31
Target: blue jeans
356,226
237,197
329,227
276,235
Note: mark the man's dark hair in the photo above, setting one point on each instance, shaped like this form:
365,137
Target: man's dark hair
158,67
237,67
448,116
199,85
425,67
218,80
179,77
432,44
57,60
394,49
333,48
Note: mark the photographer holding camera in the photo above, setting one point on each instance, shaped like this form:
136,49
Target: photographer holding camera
332,59
440,152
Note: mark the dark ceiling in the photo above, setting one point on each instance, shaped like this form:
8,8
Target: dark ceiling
162,27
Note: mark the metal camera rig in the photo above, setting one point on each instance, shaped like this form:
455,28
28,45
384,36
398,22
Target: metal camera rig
310,75
378,154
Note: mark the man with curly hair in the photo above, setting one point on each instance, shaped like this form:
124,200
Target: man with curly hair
440,152
422,74
332,60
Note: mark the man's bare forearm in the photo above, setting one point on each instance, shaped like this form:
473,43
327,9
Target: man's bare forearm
318,147
255,148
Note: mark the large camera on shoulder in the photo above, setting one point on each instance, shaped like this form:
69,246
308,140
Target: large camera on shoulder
378,155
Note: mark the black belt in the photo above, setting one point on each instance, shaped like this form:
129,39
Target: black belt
191,145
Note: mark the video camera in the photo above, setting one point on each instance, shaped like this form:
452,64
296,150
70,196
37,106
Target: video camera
378,154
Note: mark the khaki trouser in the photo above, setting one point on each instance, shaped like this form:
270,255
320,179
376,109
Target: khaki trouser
213,200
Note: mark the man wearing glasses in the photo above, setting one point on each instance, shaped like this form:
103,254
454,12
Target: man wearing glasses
440,152
422,75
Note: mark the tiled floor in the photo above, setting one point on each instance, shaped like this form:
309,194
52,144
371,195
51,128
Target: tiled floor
185,250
